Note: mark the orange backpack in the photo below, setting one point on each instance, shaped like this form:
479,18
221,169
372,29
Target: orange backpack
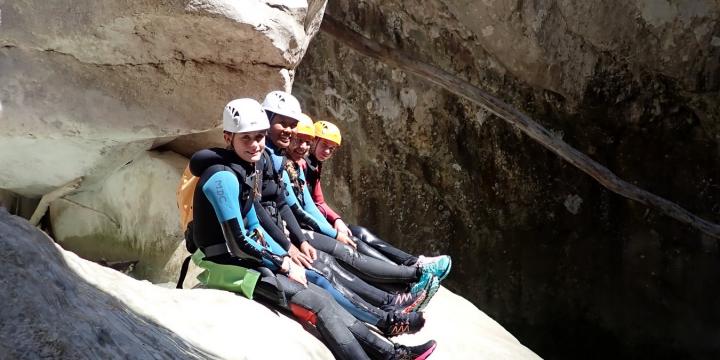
184,194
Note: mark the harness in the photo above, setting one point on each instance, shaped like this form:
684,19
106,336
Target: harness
270,174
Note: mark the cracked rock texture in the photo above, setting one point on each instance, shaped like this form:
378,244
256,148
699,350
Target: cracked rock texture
559,260
88,86
131,216
60,306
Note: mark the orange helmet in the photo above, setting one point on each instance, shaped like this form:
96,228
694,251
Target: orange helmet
305,126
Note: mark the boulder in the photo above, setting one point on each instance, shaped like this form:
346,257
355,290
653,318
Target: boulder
131,216
58,305
87,86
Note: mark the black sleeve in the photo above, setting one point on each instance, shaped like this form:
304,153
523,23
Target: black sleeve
296,235
241,248
304,218
267,223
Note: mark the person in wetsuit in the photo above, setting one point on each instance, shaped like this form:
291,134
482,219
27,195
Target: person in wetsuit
327,141
227,232
284,111
391,313
371,269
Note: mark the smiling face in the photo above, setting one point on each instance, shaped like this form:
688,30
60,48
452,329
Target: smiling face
324,149
248,146
281,129
299,147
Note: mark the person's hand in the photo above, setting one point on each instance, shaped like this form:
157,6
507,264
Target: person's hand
294,272
285,228
299,257
340,226
308,250
344,239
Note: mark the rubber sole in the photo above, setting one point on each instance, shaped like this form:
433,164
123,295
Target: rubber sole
447,272
432,290
427,353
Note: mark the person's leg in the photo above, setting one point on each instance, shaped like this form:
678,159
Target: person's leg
376,346
391,322
439,265
419,280
365,249
396,255
349,300
370,269
346,337
331,270
317,307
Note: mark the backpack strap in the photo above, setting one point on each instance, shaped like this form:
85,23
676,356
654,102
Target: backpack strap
183,272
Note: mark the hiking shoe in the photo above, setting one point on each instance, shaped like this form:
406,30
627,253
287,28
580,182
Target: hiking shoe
406,302
418,352
422,284
438,265
401,323
433,287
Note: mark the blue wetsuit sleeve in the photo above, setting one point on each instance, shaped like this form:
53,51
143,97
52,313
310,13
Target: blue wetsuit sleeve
304,216
313,211
222,189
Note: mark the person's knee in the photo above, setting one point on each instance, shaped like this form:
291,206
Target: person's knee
358,230
344,253
303,314
325,263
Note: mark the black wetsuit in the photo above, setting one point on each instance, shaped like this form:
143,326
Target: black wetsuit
374,246
371,268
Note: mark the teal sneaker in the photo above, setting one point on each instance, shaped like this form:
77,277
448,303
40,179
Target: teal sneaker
422,284
438,265
434,286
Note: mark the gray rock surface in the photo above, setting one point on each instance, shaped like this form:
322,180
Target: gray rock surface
536,243
89,86
131,216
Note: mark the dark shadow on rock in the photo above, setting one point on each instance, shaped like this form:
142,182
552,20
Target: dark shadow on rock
48,311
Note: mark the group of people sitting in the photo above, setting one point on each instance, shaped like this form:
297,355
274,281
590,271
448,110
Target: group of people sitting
262,228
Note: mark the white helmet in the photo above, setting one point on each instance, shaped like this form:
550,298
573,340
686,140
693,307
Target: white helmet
244,115
280,102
